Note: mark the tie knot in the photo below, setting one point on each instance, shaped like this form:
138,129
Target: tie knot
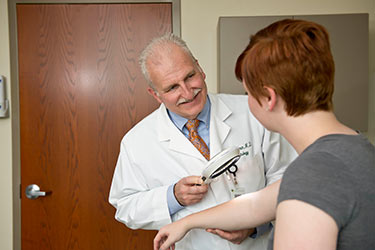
192,125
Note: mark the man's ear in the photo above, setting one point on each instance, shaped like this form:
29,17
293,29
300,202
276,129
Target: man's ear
200,69
271,100
153,93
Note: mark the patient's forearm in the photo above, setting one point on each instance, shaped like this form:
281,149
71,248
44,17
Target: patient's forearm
247,211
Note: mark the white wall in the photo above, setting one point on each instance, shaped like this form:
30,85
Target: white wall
6,207
199,20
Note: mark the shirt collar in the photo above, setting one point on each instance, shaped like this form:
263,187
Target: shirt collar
204,116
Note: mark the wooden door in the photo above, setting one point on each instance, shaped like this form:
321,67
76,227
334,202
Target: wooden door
81,90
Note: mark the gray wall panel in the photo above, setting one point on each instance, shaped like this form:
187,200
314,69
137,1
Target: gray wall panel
349,43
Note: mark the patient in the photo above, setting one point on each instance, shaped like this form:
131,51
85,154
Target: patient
326,199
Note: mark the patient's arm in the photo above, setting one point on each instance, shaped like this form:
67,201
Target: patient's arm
246,211
301,225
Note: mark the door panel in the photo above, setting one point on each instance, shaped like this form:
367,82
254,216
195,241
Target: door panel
81,90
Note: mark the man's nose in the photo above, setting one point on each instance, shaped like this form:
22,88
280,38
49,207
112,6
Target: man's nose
187,91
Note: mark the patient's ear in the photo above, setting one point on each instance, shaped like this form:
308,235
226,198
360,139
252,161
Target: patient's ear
272,98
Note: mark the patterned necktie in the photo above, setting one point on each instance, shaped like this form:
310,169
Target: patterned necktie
192,126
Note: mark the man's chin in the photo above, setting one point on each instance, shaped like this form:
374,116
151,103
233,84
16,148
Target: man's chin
188,110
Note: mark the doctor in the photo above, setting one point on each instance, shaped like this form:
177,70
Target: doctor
158,167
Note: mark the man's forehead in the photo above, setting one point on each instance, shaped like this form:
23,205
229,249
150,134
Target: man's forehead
168,52
171,75
164,61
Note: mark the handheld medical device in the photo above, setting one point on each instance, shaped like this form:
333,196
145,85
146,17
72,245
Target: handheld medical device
223,161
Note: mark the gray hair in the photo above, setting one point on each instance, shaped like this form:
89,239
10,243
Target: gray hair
160,42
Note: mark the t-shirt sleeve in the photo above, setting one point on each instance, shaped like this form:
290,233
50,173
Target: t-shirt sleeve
318,179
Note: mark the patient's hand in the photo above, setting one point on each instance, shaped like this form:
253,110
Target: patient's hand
236,237
169,235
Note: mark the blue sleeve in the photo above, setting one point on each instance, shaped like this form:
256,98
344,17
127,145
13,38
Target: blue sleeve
173,204
260,230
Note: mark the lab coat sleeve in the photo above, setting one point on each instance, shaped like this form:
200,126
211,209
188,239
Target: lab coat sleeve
137,205
277,155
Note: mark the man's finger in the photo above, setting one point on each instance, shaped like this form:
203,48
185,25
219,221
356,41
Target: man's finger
198,189
223,234
212,230
192,180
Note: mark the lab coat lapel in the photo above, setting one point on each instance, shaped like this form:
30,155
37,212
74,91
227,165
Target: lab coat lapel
169,133
219,130
219,133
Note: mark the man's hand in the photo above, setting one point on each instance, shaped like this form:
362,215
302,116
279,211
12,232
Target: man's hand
236,237
190,190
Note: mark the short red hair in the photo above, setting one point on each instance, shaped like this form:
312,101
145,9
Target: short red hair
294,58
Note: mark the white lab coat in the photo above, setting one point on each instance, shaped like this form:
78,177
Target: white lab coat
155,154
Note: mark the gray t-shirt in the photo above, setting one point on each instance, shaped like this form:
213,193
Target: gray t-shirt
337,174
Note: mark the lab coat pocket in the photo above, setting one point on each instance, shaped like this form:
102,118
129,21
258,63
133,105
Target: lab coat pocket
250,175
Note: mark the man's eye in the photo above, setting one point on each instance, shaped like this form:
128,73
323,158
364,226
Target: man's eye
174,87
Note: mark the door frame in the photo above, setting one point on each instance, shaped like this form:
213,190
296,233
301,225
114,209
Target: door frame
15,114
